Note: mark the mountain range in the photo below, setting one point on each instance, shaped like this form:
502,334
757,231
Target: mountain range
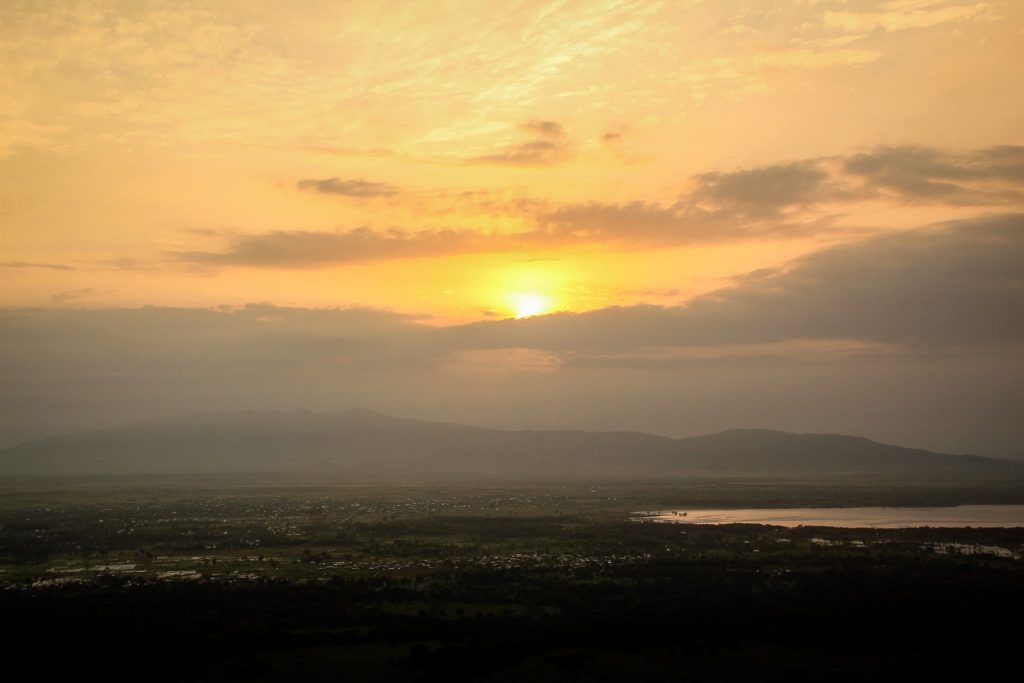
364,443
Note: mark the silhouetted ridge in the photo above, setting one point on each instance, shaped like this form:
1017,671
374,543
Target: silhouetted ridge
363,442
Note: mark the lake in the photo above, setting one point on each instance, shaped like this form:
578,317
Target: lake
864,517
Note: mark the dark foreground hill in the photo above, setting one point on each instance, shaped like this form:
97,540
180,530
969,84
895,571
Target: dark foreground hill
368,444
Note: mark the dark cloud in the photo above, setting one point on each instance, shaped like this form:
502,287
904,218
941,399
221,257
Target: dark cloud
926,324
948,285
942,286
646,225
151,340
347,188
638,222
65,366
762,192
544,129
767,202
742,204
773,201
722,206
1003,161
548,145
29,264
925,174
299,249
635,225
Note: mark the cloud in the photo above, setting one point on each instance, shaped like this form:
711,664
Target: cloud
986,176
948,285
763,191
1005,162
926,324
29,264
632,226
720,206
299,248
551,130
347,188
549,145
778,201
636,222
908,172
943,286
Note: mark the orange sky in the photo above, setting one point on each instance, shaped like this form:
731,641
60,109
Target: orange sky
801,215
475,160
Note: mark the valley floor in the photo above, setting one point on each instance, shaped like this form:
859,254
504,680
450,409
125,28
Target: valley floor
227,579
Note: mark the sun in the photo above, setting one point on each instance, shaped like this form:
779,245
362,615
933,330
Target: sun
526,304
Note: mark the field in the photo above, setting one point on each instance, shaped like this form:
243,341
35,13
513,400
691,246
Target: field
252,579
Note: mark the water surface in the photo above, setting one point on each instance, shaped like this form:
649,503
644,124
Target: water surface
864,517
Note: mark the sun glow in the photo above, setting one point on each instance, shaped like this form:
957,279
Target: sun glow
528,304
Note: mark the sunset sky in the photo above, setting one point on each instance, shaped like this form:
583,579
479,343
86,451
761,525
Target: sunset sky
670,216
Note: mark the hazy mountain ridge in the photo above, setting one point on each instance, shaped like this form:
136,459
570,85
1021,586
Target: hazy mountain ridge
362,442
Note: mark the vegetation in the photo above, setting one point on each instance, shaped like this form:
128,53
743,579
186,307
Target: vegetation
210,579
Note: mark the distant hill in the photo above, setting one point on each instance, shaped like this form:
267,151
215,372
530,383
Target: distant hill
364,443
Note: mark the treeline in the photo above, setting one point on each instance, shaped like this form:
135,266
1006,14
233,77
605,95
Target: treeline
847,620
